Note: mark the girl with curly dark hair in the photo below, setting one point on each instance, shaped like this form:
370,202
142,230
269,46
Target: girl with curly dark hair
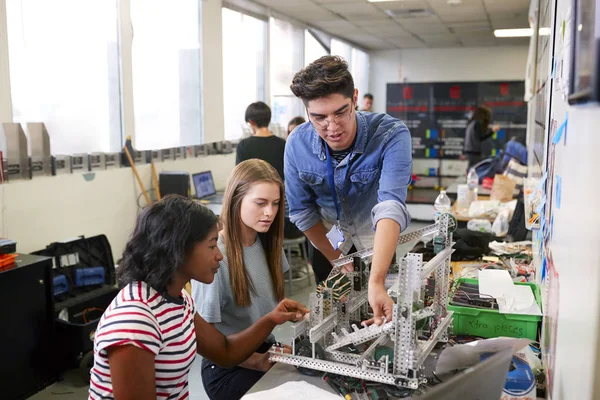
148,337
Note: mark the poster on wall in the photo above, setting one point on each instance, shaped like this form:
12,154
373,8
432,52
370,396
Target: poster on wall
412,105
437,114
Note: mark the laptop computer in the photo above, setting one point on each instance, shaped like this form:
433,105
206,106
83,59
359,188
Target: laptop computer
484,381
204,186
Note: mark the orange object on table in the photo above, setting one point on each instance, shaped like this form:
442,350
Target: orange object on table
7,259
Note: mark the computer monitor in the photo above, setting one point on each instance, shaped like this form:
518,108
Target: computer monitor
484,381
204,184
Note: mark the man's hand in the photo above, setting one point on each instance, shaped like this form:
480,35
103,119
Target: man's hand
288,310
381,303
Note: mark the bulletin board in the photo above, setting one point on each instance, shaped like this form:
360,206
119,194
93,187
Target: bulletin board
437,113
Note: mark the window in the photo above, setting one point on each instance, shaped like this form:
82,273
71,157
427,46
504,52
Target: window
244,61
64,70
166,62
339,48
286,57
312,48
360,71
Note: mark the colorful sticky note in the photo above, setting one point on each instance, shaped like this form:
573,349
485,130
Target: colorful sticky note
562,28
561,130
557,195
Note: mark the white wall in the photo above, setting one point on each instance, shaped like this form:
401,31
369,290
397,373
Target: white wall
48,209
574,247
444,65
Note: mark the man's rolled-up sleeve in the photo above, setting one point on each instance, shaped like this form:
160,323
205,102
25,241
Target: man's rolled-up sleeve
396,175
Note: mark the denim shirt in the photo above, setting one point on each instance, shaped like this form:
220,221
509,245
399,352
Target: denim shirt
371,182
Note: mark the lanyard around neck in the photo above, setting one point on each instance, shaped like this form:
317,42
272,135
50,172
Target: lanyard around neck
331,182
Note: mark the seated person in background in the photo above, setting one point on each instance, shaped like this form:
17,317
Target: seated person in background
367,102
148,337
249,282
294,122
262,144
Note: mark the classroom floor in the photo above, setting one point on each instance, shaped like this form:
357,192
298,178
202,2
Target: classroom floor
72,388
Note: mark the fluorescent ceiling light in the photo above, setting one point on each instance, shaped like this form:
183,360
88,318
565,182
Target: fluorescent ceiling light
382,1
524,32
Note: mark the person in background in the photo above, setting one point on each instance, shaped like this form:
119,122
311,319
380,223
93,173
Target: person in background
478,129
262,144
347,175
294,122
148,336
367,102
249,282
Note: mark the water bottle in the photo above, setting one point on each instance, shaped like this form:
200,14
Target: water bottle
442,205
473,185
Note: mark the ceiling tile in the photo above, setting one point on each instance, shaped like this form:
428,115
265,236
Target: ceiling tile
402,5
510,21
477,40
337,1
439,39
494,6
419,28
376,44
464,3
364,9
388,22
480,26
388,30
513,41
466,35
339,25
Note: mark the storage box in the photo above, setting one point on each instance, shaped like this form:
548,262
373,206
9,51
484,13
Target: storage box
489,323
81,307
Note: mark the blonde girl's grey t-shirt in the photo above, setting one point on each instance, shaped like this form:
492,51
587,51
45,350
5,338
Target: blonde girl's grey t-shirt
215,302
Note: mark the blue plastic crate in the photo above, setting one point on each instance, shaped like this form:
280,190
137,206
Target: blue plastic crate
89,276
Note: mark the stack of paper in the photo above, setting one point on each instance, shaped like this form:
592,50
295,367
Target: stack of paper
511,298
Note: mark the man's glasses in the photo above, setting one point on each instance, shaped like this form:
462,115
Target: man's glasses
339,119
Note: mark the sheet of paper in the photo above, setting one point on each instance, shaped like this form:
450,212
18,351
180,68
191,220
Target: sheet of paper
523,303
293,390
496,283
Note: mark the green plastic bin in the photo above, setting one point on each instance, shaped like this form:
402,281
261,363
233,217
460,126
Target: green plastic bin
490,323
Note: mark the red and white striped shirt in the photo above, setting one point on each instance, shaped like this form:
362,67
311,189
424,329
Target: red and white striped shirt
161,325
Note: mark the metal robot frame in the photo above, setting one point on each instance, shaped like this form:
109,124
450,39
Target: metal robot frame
329,346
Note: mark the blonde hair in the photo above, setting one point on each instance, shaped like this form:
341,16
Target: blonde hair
241,180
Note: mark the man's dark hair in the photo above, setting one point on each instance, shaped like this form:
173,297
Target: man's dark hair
164,235
259,113
323,77
368,96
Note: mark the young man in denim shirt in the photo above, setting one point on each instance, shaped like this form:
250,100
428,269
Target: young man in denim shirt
367,157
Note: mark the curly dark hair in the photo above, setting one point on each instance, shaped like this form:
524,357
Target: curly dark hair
324,76
164,234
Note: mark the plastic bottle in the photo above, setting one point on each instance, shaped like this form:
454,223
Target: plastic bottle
473,185
442,205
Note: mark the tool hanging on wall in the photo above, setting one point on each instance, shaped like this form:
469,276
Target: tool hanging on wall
137,175
155,180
